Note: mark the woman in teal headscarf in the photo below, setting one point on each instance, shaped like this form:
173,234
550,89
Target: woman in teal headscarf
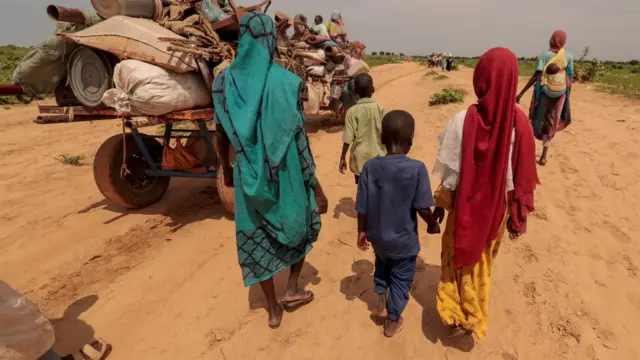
277,196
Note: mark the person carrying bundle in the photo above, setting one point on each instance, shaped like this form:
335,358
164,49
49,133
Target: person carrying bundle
550,111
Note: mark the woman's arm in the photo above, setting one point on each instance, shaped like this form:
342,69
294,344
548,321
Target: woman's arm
222,145
534,78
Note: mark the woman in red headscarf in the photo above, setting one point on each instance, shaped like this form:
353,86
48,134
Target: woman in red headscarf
550,111
488,170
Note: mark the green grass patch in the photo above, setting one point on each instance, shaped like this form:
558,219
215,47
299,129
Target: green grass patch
10,57
467,62
441,77
448,96
71,160
378,60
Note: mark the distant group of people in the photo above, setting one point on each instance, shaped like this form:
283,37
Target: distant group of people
486,166
443,60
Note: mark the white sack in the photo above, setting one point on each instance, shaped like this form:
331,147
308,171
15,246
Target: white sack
145,89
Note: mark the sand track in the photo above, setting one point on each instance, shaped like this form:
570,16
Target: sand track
163,282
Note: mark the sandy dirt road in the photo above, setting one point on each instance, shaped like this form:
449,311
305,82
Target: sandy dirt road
163,283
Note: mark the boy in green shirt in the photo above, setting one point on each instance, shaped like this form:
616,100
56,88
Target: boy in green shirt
362,128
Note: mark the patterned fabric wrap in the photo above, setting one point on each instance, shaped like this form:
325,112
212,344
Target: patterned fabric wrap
257,104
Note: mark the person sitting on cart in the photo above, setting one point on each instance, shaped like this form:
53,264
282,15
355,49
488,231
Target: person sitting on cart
278,199
362,128
337,30
319,28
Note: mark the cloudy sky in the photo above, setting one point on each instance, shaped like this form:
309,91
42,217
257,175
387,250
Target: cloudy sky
463,27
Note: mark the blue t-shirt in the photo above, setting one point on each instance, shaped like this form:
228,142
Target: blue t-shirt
390,192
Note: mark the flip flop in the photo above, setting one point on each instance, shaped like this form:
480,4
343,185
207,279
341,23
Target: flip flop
90,351
458,332
307,298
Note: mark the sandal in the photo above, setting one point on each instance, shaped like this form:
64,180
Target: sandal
459,331
307,298
97,349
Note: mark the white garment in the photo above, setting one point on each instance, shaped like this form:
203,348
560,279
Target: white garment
25,334
447,165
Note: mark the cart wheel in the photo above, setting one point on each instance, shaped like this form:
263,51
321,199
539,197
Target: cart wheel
225,192
137,189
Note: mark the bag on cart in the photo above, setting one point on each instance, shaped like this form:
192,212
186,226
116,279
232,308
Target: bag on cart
146,89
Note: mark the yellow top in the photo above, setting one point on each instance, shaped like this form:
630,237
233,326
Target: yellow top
363,131
556,82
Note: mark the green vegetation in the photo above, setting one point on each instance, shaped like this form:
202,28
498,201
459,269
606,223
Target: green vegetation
377,60
72,160
10,56
441,77
448,96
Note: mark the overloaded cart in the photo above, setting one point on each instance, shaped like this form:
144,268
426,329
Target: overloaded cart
151,63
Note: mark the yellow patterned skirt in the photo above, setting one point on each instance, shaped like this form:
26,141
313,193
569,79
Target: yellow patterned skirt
463,294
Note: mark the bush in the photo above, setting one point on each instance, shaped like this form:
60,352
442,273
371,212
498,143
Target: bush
587,71
447,96
73,160
634,62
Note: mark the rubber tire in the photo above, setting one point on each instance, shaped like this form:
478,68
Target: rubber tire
106,173
225,193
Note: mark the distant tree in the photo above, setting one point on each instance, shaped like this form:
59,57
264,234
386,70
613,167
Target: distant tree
585,53
401,54
634,62
374,53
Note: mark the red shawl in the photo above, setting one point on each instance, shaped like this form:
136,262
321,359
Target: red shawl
486,139
557,41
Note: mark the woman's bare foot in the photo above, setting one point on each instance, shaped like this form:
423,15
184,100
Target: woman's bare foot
393,327
459,331
542,161
275,316
381,308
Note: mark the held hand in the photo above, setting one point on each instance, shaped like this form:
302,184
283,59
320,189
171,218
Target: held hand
343,166
363,242
438,214
433,228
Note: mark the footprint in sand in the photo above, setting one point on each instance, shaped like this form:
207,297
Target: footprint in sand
530,292
630,266
528,253
617,232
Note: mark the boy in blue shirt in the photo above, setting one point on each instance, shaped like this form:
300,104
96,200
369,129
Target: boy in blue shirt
392,191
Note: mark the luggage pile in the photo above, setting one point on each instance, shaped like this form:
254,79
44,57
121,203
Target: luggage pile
153,57
324,64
